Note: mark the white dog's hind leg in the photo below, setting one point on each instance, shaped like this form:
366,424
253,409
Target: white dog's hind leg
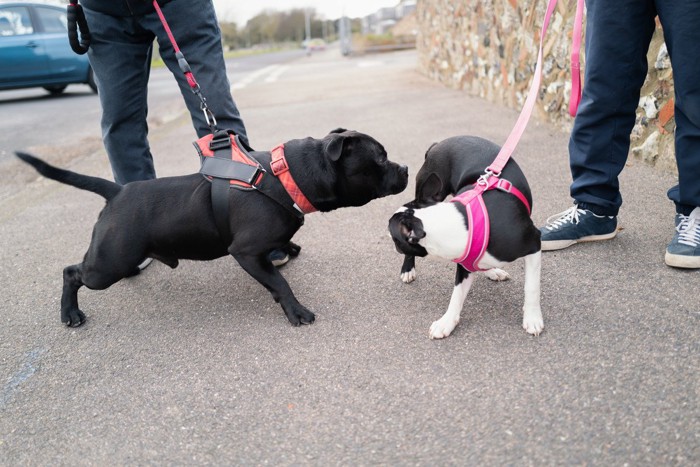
532,313
445,325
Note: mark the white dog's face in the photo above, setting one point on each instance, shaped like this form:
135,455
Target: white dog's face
437,230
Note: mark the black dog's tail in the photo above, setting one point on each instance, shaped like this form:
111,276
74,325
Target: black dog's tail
102,187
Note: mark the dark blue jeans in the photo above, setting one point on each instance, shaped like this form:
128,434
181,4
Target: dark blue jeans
618,34
120,55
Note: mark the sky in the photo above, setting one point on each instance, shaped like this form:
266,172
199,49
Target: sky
240,11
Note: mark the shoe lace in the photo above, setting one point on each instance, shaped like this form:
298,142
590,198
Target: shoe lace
689,229
565,217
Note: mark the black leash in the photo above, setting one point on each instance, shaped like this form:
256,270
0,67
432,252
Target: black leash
78,31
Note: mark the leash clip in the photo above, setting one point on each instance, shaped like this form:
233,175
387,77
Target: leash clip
208,115
484,178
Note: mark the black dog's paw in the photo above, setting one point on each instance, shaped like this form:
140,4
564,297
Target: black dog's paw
73,318
298,315
292,249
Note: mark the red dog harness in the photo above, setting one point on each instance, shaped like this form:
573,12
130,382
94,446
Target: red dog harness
478,217
226,164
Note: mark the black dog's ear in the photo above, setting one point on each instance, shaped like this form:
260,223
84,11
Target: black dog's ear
336,144
430,189
338,130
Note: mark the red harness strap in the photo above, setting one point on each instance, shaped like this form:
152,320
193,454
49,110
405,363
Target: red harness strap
280,169
204,148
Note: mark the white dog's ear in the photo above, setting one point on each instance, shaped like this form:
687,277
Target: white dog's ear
412,230
430,189
415,236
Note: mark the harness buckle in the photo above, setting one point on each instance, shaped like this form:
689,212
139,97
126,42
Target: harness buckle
255,177
504,185
220,141
279,166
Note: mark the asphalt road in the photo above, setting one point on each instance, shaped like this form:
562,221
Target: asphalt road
198,365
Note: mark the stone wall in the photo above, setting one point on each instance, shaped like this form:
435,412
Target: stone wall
489,49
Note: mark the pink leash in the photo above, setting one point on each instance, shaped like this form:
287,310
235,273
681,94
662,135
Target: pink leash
477,214
512,141
576,61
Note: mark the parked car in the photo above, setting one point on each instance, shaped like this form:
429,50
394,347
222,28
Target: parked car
314,44
34,49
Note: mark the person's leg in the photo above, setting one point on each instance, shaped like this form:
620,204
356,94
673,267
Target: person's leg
617,40
680,20
196,30
120,56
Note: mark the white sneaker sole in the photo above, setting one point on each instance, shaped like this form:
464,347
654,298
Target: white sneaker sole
682,261
552,245
280,262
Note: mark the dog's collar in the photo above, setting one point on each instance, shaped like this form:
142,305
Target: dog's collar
280,169
478,218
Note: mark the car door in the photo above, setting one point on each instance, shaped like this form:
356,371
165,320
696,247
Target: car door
22,54
66,65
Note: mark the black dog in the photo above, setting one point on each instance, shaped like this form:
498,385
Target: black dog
427,225
172,218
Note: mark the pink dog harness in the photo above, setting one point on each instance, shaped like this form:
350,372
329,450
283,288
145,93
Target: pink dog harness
478,217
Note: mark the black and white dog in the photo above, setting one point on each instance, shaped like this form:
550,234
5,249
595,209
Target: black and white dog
171,218
427,225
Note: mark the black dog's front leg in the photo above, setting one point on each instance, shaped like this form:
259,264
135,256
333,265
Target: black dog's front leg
70,313
408,269
264,272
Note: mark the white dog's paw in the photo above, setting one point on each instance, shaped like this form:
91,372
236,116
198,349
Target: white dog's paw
496,274
408,277
442,328
532,322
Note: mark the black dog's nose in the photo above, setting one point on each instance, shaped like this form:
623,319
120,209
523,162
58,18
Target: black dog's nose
401,181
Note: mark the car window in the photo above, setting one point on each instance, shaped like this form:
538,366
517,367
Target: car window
15,21
51,19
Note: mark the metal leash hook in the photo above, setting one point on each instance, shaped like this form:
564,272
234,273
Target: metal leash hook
484,178
185,68
208,115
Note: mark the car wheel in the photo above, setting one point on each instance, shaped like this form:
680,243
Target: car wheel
91,80
56,90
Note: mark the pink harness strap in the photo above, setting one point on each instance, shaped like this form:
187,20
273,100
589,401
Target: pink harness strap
478,233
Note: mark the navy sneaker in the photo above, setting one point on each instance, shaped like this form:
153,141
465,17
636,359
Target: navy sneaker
576,225
684,249
278,257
